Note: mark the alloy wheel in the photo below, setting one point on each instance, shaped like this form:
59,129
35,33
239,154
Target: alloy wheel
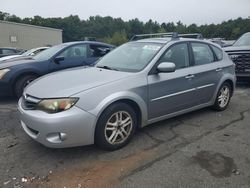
224,96
118,127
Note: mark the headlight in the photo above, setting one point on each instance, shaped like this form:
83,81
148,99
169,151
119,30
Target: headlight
52,106
3,72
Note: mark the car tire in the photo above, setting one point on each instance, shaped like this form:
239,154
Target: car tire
115,127
223,97
21,83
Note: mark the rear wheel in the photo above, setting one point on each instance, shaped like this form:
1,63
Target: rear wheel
21,83
115,127
223,97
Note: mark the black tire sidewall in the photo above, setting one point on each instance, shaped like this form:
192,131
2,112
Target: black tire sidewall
20,84
100,139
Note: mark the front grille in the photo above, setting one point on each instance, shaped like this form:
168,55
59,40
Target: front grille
29,103
241,60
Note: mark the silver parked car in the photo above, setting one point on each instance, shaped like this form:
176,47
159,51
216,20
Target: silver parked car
138,83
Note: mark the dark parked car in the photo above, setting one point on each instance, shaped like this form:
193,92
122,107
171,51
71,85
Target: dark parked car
17,74
240,54
9,51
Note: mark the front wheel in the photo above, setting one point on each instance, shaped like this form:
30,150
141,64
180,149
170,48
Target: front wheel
22,83
223,97
115,127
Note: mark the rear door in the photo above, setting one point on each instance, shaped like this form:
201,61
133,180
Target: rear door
207,70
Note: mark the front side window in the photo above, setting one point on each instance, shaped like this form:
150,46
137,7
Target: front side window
49,53
7,51
202,53
177,54
74,52
130,57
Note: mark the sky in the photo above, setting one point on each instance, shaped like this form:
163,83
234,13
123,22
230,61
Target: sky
186,11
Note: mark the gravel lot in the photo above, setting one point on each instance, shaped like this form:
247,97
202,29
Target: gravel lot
199,149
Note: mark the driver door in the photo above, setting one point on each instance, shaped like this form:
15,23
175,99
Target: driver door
171,92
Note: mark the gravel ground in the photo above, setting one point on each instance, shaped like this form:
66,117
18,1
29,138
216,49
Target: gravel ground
200,149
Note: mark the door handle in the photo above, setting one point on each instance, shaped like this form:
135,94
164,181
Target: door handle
190,76
218,69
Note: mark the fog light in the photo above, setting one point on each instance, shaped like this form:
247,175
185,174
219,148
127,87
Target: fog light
56,138
62,136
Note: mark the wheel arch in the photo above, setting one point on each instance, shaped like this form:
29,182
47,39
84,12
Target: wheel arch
130,98
20,75
228,79
24,73
230,82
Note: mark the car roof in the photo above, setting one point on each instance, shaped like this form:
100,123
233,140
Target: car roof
156,40
86,42
165,40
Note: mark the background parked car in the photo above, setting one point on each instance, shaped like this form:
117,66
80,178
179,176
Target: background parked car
30,52
240,54
9,51
222,42
17,74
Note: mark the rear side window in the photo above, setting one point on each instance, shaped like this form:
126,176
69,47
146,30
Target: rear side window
99,50
218,52
75,52
177,54
7,51
202,53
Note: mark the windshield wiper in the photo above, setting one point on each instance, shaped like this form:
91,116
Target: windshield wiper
106,67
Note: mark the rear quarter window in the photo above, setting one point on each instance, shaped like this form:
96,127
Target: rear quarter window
218,52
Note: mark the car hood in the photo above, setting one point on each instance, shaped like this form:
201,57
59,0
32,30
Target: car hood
14,62
9,57
237,48
69,82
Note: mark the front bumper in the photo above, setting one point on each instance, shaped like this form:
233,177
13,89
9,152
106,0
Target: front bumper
73,127
243,75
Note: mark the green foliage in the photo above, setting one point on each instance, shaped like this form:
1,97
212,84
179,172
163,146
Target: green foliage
116,31
117,39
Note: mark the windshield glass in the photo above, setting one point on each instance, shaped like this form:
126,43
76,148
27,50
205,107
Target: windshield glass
47,54
244,40
130,57
27,53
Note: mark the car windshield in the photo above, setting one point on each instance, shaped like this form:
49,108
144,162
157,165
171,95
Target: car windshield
130,57
243,40
47,54
27,53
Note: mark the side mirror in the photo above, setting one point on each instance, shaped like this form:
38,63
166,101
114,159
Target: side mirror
166,67
57,60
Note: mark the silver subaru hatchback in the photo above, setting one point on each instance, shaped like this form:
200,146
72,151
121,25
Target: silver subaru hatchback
138,83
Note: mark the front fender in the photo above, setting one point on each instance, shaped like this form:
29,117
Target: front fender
123,95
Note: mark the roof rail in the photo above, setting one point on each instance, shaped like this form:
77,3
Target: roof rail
191,35
173,35
154,35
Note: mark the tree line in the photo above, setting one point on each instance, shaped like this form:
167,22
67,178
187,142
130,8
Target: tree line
117,31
